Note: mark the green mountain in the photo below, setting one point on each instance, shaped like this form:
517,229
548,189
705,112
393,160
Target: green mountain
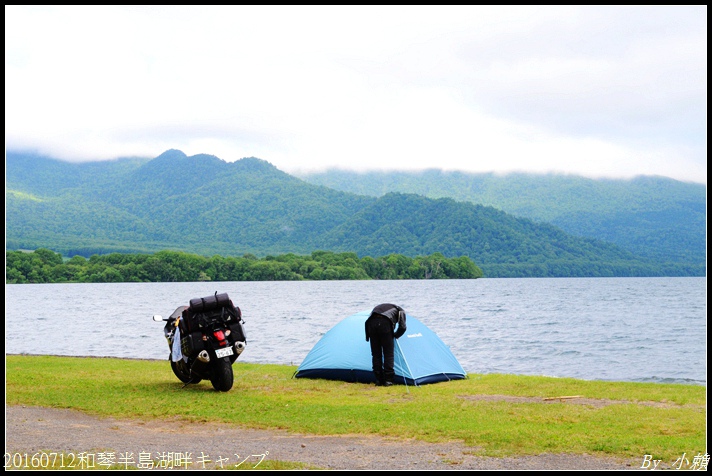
201,204
654,217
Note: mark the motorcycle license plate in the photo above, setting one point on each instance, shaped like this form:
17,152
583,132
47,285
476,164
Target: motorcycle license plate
224,352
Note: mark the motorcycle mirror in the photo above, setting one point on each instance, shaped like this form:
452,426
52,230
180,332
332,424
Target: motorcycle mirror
157,318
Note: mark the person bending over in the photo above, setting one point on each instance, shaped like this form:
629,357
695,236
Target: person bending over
385,324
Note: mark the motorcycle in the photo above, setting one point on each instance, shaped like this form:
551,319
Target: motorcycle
204,340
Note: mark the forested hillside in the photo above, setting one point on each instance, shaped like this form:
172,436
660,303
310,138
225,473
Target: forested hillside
501,244
199,203
655,217
203,205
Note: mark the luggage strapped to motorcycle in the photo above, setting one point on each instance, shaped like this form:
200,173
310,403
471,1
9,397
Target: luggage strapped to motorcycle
205,310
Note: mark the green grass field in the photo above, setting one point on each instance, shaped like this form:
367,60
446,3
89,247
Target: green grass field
499,415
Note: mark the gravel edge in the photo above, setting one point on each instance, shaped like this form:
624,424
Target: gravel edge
30,430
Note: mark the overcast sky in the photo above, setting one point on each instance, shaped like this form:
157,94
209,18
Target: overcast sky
596,91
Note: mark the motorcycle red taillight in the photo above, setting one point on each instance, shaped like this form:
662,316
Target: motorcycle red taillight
219,335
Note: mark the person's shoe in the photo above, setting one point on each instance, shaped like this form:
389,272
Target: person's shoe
387,384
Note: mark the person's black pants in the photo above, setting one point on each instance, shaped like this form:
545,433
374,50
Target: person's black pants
380,331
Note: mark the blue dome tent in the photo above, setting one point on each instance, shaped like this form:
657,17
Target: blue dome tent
343,354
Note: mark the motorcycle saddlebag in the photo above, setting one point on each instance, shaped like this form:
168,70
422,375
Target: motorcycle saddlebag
237,332
192,344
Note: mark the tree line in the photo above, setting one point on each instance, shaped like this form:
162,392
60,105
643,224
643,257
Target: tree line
46,266
170,203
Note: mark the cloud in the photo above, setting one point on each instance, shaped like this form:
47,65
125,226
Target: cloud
599,91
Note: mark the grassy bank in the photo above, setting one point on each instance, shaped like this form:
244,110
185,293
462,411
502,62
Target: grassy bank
499,415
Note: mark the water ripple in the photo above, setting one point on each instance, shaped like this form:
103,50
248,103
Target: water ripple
630,329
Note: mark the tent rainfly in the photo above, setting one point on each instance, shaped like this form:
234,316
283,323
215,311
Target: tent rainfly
343,354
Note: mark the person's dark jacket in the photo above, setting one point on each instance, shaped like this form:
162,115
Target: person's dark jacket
394,313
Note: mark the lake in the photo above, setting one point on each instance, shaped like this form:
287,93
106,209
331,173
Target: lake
617,329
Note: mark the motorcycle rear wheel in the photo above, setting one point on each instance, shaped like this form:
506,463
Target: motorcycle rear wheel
221,376
182,371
